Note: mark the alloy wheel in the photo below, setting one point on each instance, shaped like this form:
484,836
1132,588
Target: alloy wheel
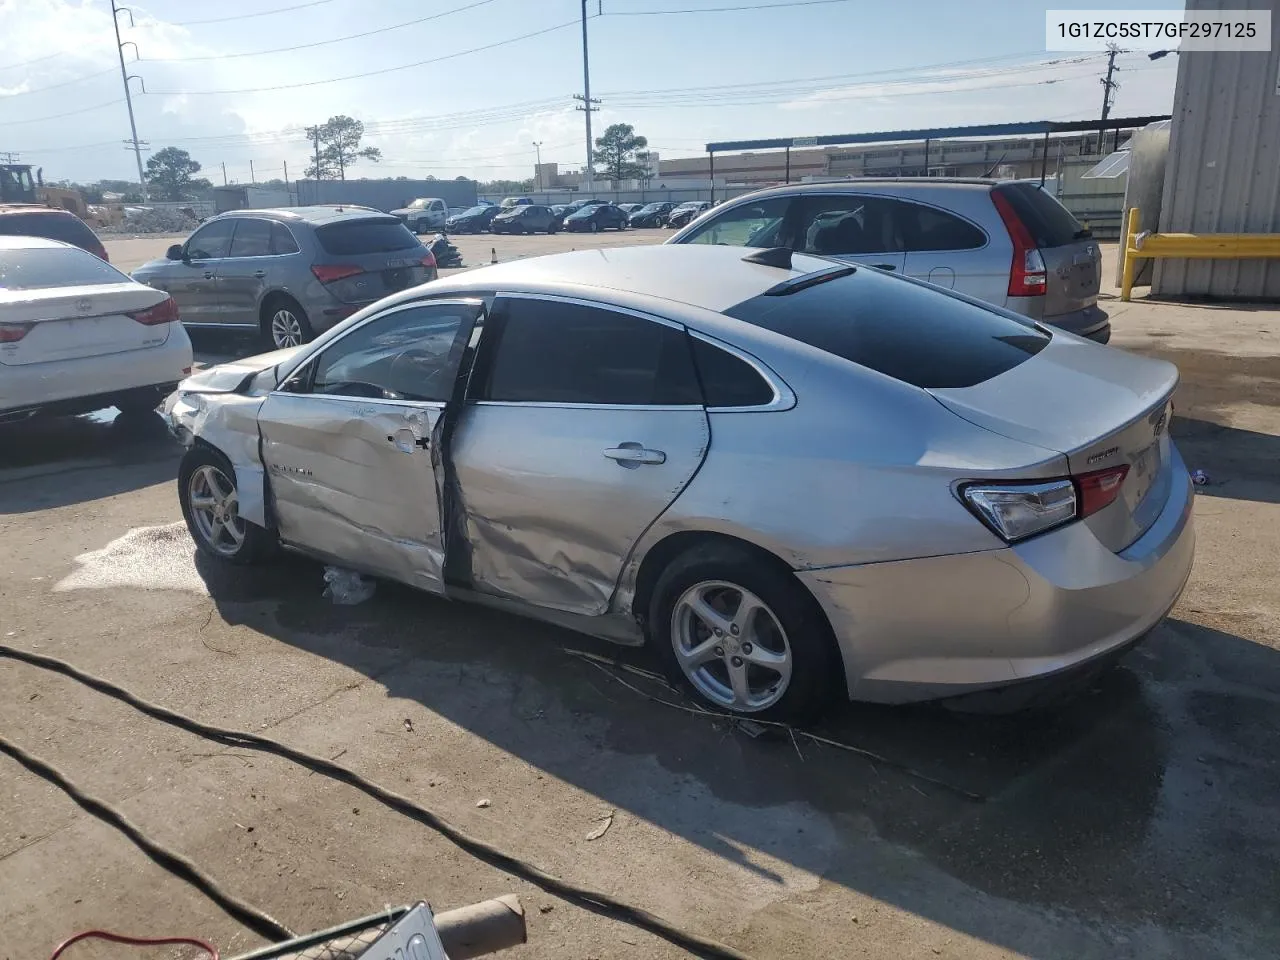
286,328
215,509
731,646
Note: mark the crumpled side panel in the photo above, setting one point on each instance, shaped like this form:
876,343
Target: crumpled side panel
229,423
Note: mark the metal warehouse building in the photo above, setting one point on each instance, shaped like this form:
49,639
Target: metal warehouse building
1223,172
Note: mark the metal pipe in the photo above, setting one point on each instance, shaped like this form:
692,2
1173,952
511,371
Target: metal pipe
1044,157
712,168
788,173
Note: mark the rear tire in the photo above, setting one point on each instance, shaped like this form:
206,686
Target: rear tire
783,654
211,506
285,323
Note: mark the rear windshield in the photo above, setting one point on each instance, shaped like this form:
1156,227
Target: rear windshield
354,237
1050,223
904,330
52,226
40,269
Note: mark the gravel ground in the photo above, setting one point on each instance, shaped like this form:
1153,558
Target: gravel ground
1136,822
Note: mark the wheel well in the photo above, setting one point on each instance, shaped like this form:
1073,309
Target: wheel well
269,302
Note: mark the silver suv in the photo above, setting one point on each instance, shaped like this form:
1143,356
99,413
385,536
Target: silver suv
1006,242
288,273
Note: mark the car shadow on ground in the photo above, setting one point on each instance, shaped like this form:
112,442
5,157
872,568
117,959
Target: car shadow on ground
1115,807
50,462
1239,464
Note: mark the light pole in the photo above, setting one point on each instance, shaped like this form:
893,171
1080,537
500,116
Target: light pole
537,145
128,95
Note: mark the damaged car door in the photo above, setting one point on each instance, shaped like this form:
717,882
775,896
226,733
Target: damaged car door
583,423
349,441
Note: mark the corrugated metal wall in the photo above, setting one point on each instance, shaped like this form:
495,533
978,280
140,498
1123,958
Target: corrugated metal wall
1223,173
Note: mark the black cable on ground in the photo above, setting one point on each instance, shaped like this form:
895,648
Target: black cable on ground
260,923
594,900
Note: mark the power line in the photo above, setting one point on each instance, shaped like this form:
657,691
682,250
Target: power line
59,116
249,16
370,73
64,83
319,43
27,63
762,6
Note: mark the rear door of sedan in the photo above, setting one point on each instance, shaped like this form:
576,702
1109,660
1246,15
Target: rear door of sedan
583,423
351,442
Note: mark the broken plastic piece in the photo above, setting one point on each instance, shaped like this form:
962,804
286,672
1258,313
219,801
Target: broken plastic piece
1199,478
346,588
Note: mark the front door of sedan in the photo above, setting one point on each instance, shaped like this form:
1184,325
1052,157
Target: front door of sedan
582,425
192,281
350,442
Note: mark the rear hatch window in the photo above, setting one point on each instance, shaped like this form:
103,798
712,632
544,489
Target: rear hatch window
373,235
910,332
52,226
1050,223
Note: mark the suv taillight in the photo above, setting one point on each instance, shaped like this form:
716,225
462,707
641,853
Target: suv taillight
333,272
166,311
429,261
1027,276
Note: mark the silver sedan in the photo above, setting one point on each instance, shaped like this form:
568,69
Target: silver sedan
792,478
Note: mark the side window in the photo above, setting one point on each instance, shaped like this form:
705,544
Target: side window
749,225
848,224
927,228
409,354
211,242
282,240
553,352
728,381
252,238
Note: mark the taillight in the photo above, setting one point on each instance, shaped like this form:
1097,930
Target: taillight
1099,488
1015,511
166,311
1027,276
429,260
333,272
13,332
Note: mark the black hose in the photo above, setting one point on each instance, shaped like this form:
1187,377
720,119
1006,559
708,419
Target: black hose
260,923
594,900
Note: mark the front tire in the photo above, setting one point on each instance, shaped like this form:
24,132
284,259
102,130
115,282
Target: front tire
739,631
595,227
211,506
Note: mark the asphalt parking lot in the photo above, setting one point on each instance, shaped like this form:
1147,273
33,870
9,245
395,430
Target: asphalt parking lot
1136,821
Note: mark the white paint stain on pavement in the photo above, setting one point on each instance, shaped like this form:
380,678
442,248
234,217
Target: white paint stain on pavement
145,558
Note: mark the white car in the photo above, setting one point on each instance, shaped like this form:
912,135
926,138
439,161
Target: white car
76,334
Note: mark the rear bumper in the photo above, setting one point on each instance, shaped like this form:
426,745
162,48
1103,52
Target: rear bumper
1091,322
942,626
89,383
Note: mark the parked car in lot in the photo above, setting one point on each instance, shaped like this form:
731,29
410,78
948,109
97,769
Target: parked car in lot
425,214
630,208
472,220
596,217
289,273
580,204
791,477
32,220
526,218
558,210
687,212
76,334
651,214
1006,242
515,202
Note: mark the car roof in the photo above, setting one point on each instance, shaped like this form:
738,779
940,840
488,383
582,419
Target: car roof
20,208
710,277
908,184
317,215
33,243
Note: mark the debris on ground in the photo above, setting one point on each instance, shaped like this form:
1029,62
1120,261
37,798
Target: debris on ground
1199,478
484,804
346,588
408,725
154,220
605,823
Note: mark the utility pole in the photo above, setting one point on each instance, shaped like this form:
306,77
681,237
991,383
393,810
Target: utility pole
537,145
588,105
1109,87
128,96
286,174
224,174
252,179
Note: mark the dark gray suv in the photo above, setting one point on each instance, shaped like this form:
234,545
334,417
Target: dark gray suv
288,273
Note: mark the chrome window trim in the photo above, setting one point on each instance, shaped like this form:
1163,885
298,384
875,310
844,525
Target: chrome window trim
784,397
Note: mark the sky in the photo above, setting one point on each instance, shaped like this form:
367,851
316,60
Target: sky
469,88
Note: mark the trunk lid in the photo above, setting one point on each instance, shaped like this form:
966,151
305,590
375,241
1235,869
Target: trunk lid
69,323
1099,407
1072,258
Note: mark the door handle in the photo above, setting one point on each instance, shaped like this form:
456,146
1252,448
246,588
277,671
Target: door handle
884,266
633,455
259,274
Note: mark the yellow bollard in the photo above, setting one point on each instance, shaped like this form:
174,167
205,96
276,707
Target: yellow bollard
1128,254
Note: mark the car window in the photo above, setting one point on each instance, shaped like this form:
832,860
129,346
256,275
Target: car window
366,235
728,381
252,238
409,354
211,241
928,228
53,226
553,352
282,240
908,331
847,224
1050,223
39,268
748,225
